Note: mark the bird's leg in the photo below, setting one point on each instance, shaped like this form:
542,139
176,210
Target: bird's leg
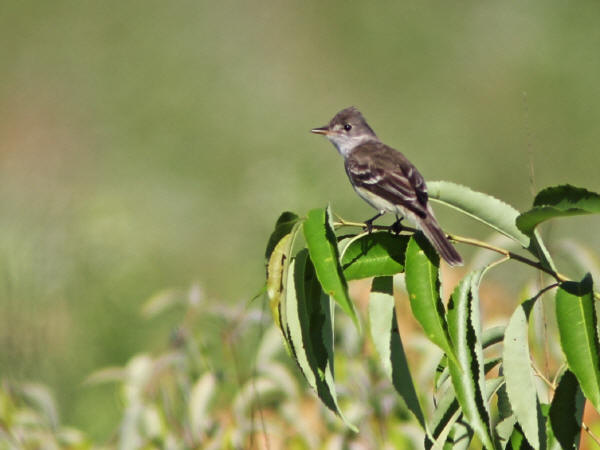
369,223
397,225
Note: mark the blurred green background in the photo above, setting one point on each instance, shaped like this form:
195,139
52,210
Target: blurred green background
149,145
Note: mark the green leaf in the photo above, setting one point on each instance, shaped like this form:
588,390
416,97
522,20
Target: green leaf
504,409
374,255
552,442
566,411
310,330
322,247
558,201
490,211
577,326
504,429
283,226
447,413
299,293
468,373
385,335
492,386
538,248
275,275
485,208
277,268
423,286
520,380
493,336
460,436
490,337
517,440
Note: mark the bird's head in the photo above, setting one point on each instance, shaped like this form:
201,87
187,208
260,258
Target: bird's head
346,130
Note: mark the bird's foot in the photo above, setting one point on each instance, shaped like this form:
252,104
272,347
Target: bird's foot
397,227
369,223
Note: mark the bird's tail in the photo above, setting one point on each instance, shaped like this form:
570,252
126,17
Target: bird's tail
438,239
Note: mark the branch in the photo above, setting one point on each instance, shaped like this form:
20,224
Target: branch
510,255
474,242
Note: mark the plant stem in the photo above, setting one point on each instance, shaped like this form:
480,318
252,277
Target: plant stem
476,243
510,255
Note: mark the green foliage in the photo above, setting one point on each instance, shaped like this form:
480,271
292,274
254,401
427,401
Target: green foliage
489,210
485,392
474,402
309,329
566,410
373,255
422,275
29,419
322,246
519,376
182,397
558,201
386,338
468,372
578,330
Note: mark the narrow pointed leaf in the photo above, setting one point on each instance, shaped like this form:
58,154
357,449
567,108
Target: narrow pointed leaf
445,415
374,255
506,421
385,335
310,319
468,374
520,381
504,408
566,411
490,337
322,247
275,275
552,442
299,293
447,412
460,436
558,201
577,326
283,226
538,248
327,337
487,209
504,429
423,286
277,268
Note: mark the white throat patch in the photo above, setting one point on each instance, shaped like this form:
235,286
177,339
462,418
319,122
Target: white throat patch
345,144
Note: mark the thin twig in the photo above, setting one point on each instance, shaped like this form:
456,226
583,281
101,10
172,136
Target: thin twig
590,433
476,243
540,375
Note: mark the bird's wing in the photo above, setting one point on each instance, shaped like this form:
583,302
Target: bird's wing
387,173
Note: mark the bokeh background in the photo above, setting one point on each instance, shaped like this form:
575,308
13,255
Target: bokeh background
152,145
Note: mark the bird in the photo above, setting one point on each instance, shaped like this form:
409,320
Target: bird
385,178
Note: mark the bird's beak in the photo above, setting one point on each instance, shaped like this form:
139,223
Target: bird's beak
322,130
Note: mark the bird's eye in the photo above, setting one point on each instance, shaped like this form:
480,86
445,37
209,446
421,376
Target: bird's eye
347,127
